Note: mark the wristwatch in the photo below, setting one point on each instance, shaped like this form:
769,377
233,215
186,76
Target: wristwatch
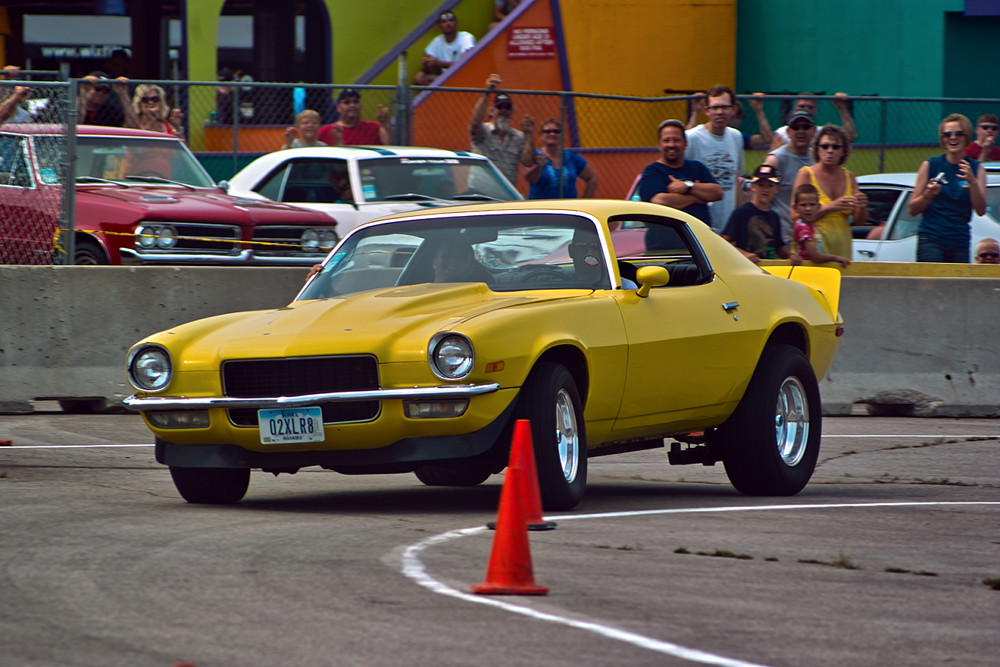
689,184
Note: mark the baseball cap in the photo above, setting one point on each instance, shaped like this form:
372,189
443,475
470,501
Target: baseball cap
502,97
801,115
348,92
765,172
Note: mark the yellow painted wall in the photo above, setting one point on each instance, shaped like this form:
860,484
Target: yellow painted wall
640,47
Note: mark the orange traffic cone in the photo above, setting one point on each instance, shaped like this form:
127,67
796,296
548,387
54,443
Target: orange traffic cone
522,456
509,571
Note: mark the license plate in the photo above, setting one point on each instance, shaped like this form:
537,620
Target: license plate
299,425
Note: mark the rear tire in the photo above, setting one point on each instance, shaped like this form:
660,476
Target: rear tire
211,486
551,401
770,444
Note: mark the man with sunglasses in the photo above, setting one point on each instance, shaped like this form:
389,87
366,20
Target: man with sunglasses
497,140
988,251
984,148
96,105
788,159
809,104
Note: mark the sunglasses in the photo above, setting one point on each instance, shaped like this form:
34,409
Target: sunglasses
989,255
993,128
504,106
102,89
802,127
155,100
956,133
830,147
719,107
551,131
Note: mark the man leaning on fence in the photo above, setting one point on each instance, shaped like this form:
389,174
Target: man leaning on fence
95,104
497,140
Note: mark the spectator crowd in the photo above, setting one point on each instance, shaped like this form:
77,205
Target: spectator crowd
799,204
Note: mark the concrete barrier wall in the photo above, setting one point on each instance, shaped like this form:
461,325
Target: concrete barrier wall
914,345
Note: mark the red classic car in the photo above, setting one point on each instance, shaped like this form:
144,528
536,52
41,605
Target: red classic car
140,197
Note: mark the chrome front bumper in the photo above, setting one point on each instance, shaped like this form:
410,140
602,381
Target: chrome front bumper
415,393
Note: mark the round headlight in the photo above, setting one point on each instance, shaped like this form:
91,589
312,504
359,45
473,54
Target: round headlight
451,356
145,236
310,239
166,237
149,369
328,238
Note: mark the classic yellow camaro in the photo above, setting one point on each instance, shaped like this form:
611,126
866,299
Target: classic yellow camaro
610,325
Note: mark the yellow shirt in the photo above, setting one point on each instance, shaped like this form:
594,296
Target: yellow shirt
834,227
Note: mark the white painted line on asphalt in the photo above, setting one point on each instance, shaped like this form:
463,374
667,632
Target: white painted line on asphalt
8,447
414,569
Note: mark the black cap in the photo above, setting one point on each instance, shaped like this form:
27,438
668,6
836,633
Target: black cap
766,172
801,115
348,92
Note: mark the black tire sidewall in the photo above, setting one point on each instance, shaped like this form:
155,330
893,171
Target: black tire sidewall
537,404
751,456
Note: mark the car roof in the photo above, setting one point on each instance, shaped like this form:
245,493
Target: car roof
907,179
599,208
367,152
82,130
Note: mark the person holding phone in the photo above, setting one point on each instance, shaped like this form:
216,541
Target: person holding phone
949,187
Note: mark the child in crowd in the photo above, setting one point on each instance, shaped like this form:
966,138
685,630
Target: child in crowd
754,228
805,205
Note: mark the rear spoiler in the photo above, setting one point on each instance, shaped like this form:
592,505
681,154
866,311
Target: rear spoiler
822,279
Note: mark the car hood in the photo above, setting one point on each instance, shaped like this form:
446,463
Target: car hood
402,318
201,204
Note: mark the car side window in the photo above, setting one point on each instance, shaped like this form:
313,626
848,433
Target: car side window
906,224
993,203
880,204
13,165
659,241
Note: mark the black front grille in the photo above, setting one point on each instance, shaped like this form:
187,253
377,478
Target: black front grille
270,378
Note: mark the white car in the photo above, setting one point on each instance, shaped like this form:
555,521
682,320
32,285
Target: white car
888,195
355,184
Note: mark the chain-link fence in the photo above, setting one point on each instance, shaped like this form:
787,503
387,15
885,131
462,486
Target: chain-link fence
227,124
35,205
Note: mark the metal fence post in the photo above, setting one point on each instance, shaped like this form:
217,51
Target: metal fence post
236,128
68,224
403,134
881,136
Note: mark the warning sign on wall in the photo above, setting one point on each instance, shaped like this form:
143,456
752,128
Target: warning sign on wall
531,43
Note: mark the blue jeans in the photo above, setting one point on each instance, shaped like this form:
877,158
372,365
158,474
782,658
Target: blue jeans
929,250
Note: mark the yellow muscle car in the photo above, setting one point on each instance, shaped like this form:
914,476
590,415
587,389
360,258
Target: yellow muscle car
610,325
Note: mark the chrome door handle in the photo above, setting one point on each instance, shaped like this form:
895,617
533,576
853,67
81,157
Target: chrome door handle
866,253
730,306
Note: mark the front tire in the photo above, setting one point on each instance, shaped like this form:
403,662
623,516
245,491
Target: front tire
211,486
770,444
551,402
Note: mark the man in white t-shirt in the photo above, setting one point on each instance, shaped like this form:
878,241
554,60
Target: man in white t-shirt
720,148
444,49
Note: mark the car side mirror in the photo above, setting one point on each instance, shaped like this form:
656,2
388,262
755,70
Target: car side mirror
649,277
223,186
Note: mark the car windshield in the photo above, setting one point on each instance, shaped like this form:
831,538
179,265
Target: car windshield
402,178
132,159
328,181
508,252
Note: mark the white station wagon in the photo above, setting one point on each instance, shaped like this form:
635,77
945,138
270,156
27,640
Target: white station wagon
355,184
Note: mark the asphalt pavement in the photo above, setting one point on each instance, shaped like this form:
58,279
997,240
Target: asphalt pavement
883,559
